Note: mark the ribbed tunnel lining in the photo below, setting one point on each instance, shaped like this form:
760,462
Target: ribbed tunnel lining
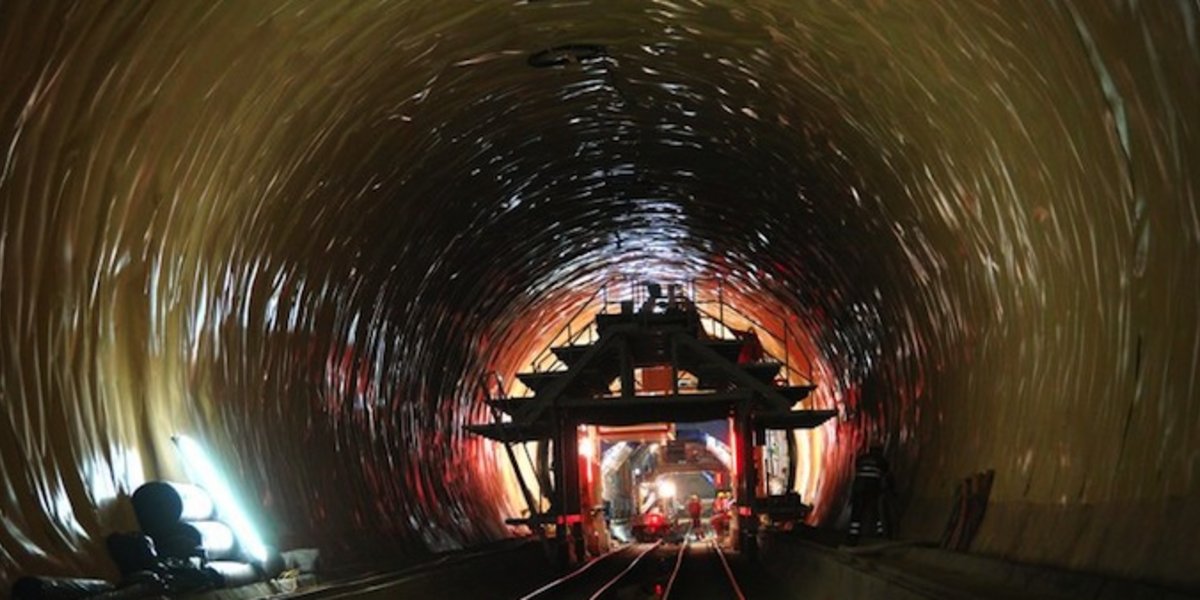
301,232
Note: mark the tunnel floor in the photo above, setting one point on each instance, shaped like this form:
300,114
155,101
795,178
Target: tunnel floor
801,564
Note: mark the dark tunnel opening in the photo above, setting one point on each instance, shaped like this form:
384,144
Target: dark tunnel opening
304,232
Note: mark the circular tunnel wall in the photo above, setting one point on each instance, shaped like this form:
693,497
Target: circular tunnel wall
302,231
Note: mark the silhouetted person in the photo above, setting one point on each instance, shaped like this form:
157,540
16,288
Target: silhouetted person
653,293
868,495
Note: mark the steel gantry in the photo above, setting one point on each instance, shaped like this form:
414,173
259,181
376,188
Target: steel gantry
597,386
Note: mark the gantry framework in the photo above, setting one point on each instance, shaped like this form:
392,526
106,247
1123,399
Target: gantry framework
597,387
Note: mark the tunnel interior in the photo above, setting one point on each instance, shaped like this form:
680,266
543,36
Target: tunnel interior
303,232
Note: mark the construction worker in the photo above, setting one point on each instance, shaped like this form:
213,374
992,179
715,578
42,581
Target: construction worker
720,517
868,495
694,508
653,295
752,349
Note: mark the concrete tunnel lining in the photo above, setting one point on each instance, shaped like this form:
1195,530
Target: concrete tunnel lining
304,230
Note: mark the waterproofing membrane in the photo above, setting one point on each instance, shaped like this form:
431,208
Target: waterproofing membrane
301,231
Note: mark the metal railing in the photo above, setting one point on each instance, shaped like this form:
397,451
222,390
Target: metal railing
709,301
567,335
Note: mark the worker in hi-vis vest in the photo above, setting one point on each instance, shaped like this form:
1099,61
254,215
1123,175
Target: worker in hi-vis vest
869,494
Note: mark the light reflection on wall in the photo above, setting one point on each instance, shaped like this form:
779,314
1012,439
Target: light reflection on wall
985,220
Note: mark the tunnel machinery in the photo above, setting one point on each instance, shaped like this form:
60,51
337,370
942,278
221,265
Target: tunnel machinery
601,377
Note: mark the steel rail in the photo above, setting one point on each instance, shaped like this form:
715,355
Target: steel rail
675,572
561,581
615,580
737,589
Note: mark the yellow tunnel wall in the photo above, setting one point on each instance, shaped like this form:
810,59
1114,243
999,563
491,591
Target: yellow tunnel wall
301,231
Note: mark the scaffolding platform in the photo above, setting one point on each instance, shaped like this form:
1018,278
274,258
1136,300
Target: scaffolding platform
702,370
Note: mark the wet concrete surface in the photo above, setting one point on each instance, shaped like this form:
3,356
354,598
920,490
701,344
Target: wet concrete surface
816,563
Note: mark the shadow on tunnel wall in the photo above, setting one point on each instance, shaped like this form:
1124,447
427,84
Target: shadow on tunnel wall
301,231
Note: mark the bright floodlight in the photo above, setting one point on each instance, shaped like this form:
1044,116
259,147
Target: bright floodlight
586,448
205,474
666,488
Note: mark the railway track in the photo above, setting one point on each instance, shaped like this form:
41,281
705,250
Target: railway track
632,572
702,571
649,571
598,578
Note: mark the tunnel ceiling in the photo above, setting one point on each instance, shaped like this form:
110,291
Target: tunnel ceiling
301,231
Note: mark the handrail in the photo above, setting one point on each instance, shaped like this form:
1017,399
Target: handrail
785,362
783,321
546,360
539,364
496,378
566,328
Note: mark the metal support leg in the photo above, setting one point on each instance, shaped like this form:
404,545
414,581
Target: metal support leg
627,380
567,478
748,484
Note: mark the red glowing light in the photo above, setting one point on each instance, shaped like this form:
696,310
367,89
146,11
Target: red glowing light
733,449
